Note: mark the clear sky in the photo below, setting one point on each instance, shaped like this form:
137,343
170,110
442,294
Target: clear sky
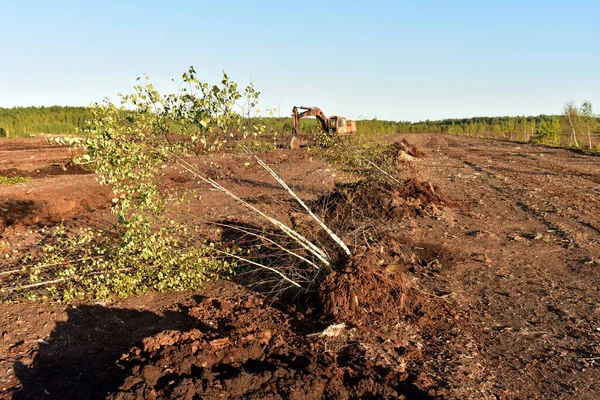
397,60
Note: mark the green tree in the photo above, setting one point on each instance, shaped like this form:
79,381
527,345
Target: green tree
548,132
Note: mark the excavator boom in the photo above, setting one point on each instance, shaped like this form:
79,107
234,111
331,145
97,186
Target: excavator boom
309,112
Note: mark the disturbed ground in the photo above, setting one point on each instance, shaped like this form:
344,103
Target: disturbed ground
502,285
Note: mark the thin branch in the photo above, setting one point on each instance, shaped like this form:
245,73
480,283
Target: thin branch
33,285
333,236
11,272
380,169
307,244
270,241
281,274
53,264
11,289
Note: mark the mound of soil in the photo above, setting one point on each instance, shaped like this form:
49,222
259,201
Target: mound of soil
248,350
28,212
357,204
399,150
63,168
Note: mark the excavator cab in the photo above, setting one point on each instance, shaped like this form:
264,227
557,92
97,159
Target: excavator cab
337,124
341,125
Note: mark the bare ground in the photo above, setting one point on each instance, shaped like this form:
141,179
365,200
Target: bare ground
505,285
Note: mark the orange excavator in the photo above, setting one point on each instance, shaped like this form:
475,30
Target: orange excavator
334,124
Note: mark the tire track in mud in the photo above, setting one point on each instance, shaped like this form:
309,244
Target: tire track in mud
564,218
533,311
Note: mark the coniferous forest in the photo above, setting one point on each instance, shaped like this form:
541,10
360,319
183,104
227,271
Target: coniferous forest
30,121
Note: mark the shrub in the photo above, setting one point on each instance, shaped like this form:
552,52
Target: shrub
13,180
548,132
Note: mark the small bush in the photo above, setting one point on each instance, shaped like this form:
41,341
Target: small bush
94,264
149,247
360,156
260,146
13,180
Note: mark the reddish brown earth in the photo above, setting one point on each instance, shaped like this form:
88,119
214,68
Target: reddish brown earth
57,190
497,295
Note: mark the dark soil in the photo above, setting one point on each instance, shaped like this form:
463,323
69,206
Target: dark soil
248,349
65,168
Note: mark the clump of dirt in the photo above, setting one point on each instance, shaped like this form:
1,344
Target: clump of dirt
27,212
249,350
426,192
14,173
399,150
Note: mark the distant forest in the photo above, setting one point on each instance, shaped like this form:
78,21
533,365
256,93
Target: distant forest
30,121
545,129
550,129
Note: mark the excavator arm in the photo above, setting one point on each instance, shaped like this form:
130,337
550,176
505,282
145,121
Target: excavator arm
309,112
333,125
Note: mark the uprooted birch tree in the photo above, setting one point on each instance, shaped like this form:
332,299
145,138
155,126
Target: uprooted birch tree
130,145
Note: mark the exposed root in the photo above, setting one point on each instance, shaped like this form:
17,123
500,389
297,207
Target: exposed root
369,291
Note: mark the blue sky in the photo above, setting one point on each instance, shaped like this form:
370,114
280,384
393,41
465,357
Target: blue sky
396,60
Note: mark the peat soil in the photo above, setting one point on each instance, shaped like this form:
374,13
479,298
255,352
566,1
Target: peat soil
497,286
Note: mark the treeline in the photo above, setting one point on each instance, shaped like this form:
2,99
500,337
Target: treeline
523,128
543,129
30,121
577,127
548,129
